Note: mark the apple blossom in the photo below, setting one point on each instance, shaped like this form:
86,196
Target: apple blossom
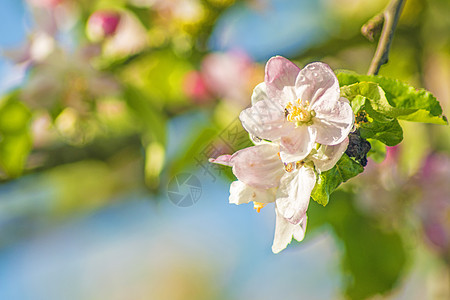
298,108
263,178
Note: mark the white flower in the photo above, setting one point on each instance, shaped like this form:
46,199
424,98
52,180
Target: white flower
263,178
298,108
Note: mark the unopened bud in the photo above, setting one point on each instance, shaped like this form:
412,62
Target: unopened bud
102,24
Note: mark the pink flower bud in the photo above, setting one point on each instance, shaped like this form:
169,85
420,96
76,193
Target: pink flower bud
102,24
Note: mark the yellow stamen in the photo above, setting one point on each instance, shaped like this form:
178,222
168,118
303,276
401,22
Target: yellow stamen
258,205
299,112
289,167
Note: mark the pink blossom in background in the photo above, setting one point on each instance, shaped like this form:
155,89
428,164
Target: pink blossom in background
102,24
195,88
228,75
129,37
392,155
434,207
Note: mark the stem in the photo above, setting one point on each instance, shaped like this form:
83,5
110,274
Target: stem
390,18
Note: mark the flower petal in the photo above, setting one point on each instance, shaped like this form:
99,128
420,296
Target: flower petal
265,119
284,230
299,231
327,156
258,166
294,192
297,144
334,125
318,84
243,193
280,78
259,93
222,160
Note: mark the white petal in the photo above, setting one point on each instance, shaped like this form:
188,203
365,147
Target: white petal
297,144
294,193
280,77
258,166
334,125
266,120
243,193
317,83
284,231
300,230
327,156
259,93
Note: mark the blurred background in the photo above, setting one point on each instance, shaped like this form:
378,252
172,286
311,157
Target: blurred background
105,104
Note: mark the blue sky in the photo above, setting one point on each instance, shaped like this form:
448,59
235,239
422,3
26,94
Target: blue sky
13,30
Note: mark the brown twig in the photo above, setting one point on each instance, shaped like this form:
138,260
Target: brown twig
388,19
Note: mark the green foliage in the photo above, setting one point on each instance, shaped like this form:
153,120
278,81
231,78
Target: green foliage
154,131
160,75
377,115
373,258
405,102
377,151
388,132
329,181
15,138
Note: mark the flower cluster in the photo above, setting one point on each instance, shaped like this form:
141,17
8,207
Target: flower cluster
299,125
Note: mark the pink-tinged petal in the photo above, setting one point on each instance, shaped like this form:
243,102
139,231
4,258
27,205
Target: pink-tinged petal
334,125
299,232
243,193
297,144
284,231
259,93
222,160
294,192
258,166
265,120
280,78
327,156
317,84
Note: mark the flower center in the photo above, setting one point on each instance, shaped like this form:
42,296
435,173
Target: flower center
290,167
299,113
258,205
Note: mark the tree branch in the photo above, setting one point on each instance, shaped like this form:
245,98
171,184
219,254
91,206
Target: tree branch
389,19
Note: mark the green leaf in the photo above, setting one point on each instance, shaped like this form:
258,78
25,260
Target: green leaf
154,132
154,161
369,98
377,151
411,104
358,93
151,117
15,138
390,133
373,257
160,74
329,181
